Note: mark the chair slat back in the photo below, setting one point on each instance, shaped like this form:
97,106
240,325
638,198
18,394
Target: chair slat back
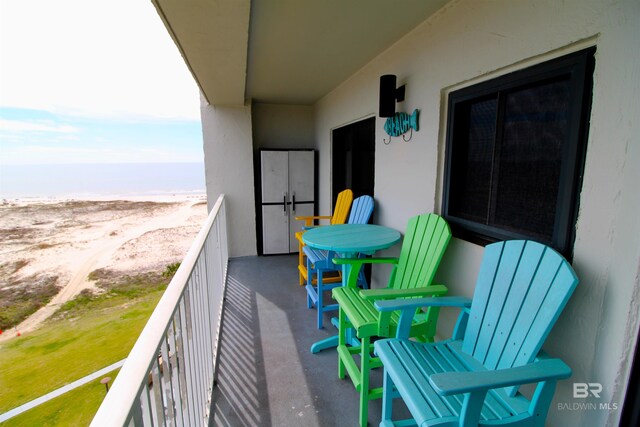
361,210
521,290
424,244
343,204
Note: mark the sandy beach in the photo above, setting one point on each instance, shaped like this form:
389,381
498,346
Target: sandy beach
53,245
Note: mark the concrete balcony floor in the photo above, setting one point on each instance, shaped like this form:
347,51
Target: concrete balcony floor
267,375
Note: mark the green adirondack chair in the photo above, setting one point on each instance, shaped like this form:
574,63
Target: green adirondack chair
473,378
425,242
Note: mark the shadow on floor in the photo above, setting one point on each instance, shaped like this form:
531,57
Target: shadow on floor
267,375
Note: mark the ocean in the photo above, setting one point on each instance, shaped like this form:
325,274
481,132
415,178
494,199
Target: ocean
84,181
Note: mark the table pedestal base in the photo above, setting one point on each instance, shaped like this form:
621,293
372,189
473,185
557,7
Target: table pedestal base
332,342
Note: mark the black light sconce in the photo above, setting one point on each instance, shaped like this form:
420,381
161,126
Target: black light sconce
389,95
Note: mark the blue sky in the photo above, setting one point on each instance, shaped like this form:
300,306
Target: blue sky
29,136
88,81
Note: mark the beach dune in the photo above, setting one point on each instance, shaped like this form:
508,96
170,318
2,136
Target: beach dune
64,241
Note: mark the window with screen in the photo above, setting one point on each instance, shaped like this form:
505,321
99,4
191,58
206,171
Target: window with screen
515,153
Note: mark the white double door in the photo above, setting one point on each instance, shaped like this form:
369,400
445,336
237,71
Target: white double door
287,192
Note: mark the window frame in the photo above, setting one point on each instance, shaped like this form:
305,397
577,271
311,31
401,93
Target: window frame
579,66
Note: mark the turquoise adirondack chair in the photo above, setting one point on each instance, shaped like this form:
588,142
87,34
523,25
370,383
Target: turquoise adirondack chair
473,378
320,262
424,244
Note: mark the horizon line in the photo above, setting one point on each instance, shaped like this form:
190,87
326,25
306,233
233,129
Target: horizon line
164,162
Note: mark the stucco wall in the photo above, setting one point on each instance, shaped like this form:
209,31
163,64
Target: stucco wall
228,155
231,135
469,41
283,126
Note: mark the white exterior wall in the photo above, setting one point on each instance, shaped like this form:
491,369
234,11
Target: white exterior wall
228,157
230,136
283,126
469,41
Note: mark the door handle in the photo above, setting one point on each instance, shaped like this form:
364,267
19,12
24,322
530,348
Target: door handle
294,202
284,203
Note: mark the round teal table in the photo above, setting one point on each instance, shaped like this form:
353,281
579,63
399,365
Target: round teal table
347,241
350,239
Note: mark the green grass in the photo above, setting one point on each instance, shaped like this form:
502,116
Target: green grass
74,408
89,333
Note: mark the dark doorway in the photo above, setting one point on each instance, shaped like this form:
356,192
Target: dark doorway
353,158
353,162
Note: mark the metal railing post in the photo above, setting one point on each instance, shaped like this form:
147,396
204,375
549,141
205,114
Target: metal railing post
183,332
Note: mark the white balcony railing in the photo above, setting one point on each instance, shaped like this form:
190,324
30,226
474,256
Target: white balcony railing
168,376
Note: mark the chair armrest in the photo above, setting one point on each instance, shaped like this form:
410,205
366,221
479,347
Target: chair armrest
381,294
365,261
356,265
409,306
304,218
308,220
450,383
413,304
384,317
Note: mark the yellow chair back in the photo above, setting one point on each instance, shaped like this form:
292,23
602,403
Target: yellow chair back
343,204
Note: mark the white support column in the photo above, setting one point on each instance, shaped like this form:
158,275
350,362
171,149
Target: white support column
228,155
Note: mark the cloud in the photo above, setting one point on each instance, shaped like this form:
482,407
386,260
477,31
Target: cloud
93,58
48,154
35,126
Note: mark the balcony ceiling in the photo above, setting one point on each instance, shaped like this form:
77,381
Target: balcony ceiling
284,51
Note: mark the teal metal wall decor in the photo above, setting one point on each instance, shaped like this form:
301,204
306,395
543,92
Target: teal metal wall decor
400,124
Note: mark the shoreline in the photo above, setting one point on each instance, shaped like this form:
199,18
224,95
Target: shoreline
151,197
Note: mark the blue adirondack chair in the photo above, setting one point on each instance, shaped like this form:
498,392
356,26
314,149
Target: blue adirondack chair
474,378
320,262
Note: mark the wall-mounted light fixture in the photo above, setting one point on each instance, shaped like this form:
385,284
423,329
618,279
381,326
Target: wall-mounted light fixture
389,95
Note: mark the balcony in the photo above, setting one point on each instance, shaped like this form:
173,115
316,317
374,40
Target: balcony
229,345
267,375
